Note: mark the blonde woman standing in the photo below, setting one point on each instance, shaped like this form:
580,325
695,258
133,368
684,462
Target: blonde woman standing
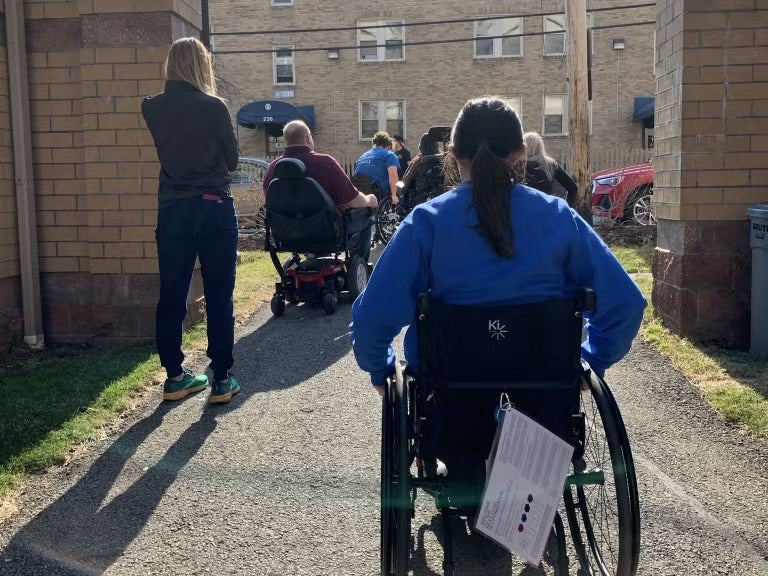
197,149
541,171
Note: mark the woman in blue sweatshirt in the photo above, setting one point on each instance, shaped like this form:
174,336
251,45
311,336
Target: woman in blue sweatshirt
492,241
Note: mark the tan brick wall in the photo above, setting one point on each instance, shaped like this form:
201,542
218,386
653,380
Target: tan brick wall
95,163
56,114
9,247
667,158
91,63
121,169
712,150
435,80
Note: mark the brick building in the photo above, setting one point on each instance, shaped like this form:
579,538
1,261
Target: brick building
89,62
407,88
711,161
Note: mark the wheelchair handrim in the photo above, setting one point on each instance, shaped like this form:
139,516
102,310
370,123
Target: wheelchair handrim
606,510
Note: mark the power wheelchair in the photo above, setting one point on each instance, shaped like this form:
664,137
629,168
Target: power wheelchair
444,409
302,219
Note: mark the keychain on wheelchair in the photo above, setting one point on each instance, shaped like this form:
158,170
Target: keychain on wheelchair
504,406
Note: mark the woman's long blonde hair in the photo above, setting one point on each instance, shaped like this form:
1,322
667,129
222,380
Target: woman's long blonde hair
536,152
189,60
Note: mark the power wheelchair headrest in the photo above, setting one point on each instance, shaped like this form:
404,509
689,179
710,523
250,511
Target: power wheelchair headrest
290,168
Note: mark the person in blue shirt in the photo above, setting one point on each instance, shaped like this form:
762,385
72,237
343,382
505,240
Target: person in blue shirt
380,165
492,241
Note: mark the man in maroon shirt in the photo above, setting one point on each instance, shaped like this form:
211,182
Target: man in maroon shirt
329,174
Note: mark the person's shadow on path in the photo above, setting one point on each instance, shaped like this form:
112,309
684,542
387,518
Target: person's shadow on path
76,535
472,553
287,351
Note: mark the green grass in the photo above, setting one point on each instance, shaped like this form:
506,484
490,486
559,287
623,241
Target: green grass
733,382
635,259
52,404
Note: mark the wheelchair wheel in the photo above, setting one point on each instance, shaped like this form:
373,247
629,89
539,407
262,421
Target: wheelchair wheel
387,220
607,514
357,276
395,481
330,301
277,305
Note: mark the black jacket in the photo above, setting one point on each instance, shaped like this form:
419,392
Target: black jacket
195,142
535,177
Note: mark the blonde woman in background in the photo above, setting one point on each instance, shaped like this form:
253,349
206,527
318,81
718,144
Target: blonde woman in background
541,171
197,149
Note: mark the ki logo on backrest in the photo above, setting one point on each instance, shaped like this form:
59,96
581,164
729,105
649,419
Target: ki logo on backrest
497,330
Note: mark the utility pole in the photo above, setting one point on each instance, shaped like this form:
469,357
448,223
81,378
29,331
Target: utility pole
578,49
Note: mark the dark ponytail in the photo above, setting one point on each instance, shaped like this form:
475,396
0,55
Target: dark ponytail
490,196
486,132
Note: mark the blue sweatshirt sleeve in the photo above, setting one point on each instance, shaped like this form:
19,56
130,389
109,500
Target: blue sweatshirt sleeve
388,302
620,304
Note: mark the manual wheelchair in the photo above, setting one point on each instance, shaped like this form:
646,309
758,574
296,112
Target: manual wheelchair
443,408
302,219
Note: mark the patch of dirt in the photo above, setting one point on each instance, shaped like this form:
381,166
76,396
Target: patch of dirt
7,509
250,242
627,235
21,356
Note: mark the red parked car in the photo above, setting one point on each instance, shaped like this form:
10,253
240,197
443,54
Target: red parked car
624,194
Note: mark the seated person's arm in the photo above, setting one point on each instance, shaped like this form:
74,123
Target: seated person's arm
410,173
620,304
349,196
392,172
363,201
389,300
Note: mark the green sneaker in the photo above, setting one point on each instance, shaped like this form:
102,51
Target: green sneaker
222,392
176,390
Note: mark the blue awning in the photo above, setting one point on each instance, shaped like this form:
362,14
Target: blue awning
644,109
273,112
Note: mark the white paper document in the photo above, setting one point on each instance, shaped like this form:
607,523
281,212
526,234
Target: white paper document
528,467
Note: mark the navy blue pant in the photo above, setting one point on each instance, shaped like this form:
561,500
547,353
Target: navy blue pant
186,230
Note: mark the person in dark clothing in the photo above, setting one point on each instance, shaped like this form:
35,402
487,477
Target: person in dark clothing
331,176
424,177
197,149
541,171
403,155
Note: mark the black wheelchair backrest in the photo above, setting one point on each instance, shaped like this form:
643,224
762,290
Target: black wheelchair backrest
300,215
527,342
470,355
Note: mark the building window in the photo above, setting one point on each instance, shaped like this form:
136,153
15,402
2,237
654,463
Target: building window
555,115
555,38
498,47
377,115
282,2
384,43
284,65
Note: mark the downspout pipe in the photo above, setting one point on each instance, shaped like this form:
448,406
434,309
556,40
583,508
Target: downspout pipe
18,84
205,33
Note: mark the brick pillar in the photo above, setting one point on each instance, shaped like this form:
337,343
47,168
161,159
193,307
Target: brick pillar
10,285
96,170
711,161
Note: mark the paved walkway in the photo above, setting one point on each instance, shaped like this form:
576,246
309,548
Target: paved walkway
285,479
